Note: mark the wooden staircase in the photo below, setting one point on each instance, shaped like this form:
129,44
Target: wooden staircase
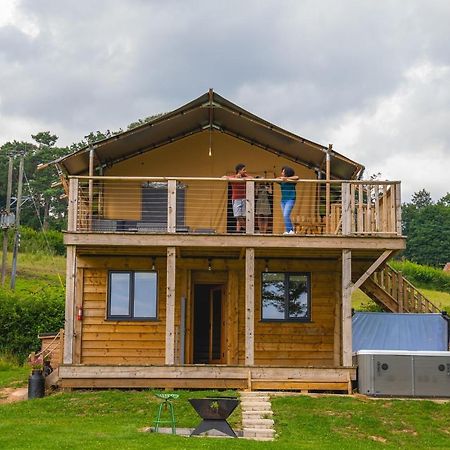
394,293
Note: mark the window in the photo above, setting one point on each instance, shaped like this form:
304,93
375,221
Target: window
286,296
132,295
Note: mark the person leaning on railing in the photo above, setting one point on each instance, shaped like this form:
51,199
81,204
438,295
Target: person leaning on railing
288,196
238,194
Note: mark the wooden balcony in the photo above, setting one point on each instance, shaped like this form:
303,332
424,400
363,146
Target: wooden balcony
203,206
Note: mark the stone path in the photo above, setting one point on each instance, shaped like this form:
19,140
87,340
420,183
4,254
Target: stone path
11,395
257,421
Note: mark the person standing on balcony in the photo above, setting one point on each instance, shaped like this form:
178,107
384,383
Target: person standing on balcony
288,196
262,205
238,195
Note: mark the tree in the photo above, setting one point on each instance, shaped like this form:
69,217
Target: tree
42,201
421,199
427,227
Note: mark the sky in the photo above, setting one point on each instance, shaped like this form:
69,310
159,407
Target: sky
372,77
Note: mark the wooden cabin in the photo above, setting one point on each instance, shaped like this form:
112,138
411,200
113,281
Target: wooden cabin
163,292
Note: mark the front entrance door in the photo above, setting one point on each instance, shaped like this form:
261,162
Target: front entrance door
208,329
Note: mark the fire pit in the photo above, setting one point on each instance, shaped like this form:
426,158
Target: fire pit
214,411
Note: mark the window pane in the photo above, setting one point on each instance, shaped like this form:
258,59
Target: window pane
144,294
120,294
273,296
298,296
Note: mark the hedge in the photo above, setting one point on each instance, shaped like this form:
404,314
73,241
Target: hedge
25,315
423,276
32,241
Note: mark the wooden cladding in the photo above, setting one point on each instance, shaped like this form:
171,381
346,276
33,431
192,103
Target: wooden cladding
295,344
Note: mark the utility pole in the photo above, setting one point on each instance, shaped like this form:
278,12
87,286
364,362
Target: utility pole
7,217
17,234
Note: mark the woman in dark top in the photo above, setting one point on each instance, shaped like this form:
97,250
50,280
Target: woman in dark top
288,196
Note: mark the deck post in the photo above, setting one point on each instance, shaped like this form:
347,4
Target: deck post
72,213
91,186
70,305
347,308
346,210
172,206
328,189
249,306
398,209
170,307
250,207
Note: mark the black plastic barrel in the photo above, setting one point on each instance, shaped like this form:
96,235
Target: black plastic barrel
36,384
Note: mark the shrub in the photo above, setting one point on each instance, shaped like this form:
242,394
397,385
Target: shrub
32,241
26,314
423,276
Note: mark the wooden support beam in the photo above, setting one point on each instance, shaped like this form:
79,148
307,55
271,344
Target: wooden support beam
70,304
337,323
78,324
346,308
172,206
170,306
249,306
250,208
380,260
232,319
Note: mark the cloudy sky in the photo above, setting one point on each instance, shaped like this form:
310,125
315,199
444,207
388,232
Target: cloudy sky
370,76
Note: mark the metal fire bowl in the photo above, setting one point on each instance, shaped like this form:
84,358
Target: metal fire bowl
218,408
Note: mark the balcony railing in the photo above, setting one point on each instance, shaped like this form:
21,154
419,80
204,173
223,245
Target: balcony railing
204,205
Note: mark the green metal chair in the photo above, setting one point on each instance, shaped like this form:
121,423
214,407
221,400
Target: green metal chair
165,405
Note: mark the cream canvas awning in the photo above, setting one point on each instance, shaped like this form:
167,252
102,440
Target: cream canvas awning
210,112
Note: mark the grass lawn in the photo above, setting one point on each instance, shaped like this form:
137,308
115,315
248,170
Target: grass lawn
112,419
13,376
440,299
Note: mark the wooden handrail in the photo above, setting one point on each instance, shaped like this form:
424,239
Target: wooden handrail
407,296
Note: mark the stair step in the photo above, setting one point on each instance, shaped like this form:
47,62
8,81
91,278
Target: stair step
257,406
256,413
258,423
254,398
257,432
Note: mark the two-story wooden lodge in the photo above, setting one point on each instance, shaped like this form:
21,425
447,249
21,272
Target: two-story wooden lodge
161,290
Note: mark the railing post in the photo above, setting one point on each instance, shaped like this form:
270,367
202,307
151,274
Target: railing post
172,206
400,300
328,190
346,210
72,213
250,208
398,209
91,188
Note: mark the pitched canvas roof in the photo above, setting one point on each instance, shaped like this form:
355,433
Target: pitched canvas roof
210,111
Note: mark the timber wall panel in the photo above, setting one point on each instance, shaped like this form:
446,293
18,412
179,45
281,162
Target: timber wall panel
296,343
119,342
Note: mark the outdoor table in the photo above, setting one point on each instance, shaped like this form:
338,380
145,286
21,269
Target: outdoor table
214,411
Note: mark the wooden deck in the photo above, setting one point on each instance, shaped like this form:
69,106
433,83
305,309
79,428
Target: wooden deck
208,377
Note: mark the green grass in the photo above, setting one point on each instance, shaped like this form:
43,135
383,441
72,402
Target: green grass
36,270
11,374
112,419
440,299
